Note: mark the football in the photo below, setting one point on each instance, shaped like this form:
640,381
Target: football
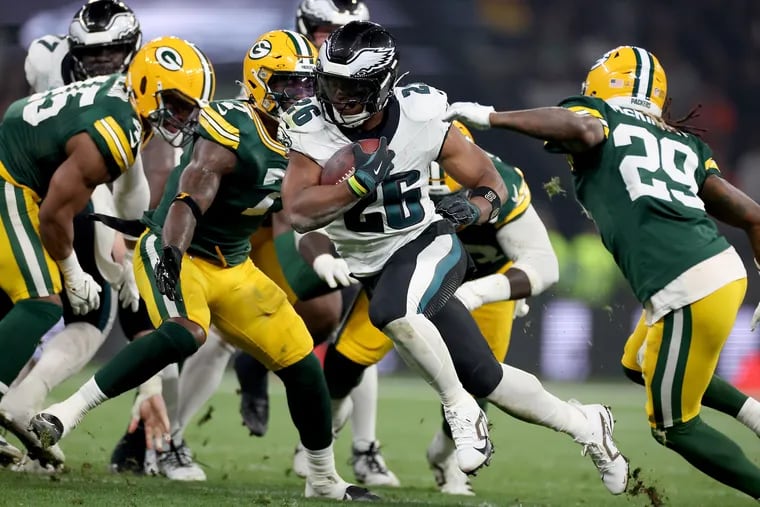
340,166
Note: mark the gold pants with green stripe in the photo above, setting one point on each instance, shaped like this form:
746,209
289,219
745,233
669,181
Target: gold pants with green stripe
26,269
249,309
678,354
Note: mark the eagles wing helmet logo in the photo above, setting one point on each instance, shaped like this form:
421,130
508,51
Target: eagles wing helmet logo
369,60
260,50
169,58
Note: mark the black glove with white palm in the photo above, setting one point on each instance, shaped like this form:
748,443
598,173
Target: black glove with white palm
167,273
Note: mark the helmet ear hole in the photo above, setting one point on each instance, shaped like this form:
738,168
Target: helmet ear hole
143,85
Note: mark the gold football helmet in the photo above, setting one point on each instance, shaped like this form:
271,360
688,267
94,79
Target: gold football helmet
278,70
628,76
441,184
169,81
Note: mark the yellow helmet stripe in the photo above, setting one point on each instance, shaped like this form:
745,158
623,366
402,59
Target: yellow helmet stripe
116,141
209,82
302,48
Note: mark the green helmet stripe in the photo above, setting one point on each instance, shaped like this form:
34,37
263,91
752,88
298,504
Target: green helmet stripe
300,43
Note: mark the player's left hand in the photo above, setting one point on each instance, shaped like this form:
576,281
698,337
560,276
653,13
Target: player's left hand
333,270
755,318
471,114
149,407
458,210
129,296
167,272
521,309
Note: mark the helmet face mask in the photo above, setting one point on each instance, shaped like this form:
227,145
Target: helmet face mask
103,38
285,89
175,118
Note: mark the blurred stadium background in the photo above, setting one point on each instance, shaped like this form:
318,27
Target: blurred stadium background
514,54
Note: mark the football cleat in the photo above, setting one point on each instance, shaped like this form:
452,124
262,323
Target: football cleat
32,466
370,468
9,454
52,455
442,461
612,465
336,488
469,429
177,464
255,413
129,453
47,428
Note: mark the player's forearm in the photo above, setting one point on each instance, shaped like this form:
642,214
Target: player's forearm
179,227
551,124
314,207
313,244
57,233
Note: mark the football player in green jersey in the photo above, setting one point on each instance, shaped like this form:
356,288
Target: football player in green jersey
55,148
193,268
650,186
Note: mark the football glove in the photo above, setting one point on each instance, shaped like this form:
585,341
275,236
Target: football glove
167,273
81,288
471,114
333,270
521,309
129,296
458,210
370,168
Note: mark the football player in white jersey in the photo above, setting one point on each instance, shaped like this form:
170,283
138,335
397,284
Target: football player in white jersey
404,250
103,37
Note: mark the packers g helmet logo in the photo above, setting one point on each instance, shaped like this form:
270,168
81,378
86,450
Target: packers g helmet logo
169,58
260,50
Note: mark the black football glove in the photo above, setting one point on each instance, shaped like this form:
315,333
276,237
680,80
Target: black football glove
371,168
167,273
458,210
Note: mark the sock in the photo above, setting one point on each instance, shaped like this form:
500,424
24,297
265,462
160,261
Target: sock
201,376
364,414
63,355
145,357
712,453
321,464
421,346
521,395
309,402
71,411
342,409
749,414
252,375
20,332
170,392
442,445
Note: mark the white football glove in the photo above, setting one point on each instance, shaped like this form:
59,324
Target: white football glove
469,297
521,309
471,114
333,270
129,296
81,288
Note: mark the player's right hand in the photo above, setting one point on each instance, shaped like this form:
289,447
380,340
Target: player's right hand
372,168
471,114
333,270
167,273
83,293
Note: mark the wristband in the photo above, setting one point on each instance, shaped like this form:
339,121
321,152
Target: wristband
185,198
492,197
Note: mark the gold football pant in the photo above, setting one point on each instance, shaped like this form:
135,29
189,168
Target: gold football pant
679,353
26,269
250,310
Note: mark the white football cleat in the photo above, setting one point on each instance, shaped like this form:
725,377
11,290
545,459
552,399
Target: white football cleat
469,429
442,461
176,464
336,488
612,465
32,466
370,468
300,461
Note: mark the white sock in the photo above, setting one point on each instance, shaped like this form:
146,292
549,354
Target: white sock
364,414
421,346
341,411
441,447
749,415
199,379
71,410
63,355
321,464
170,392
521,395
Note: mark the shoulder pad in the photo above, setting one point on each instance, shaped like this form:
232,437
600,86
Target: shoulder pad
303,116
43,59
421,102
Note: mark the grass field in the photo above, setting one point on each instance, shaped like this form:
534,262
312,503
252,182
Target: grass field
532,466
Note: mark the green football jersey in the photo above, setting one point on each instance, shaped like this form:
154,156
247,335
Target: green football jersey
480,240
245,195
35,130
640,186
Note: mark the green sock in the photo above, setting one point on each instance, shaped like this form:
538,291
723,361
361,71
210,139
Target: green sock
144,357
20,332
713,453
722,396
308,401
482,403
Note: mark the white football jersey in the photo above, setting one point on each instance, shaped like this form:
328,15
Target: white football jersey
44,65
400,210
